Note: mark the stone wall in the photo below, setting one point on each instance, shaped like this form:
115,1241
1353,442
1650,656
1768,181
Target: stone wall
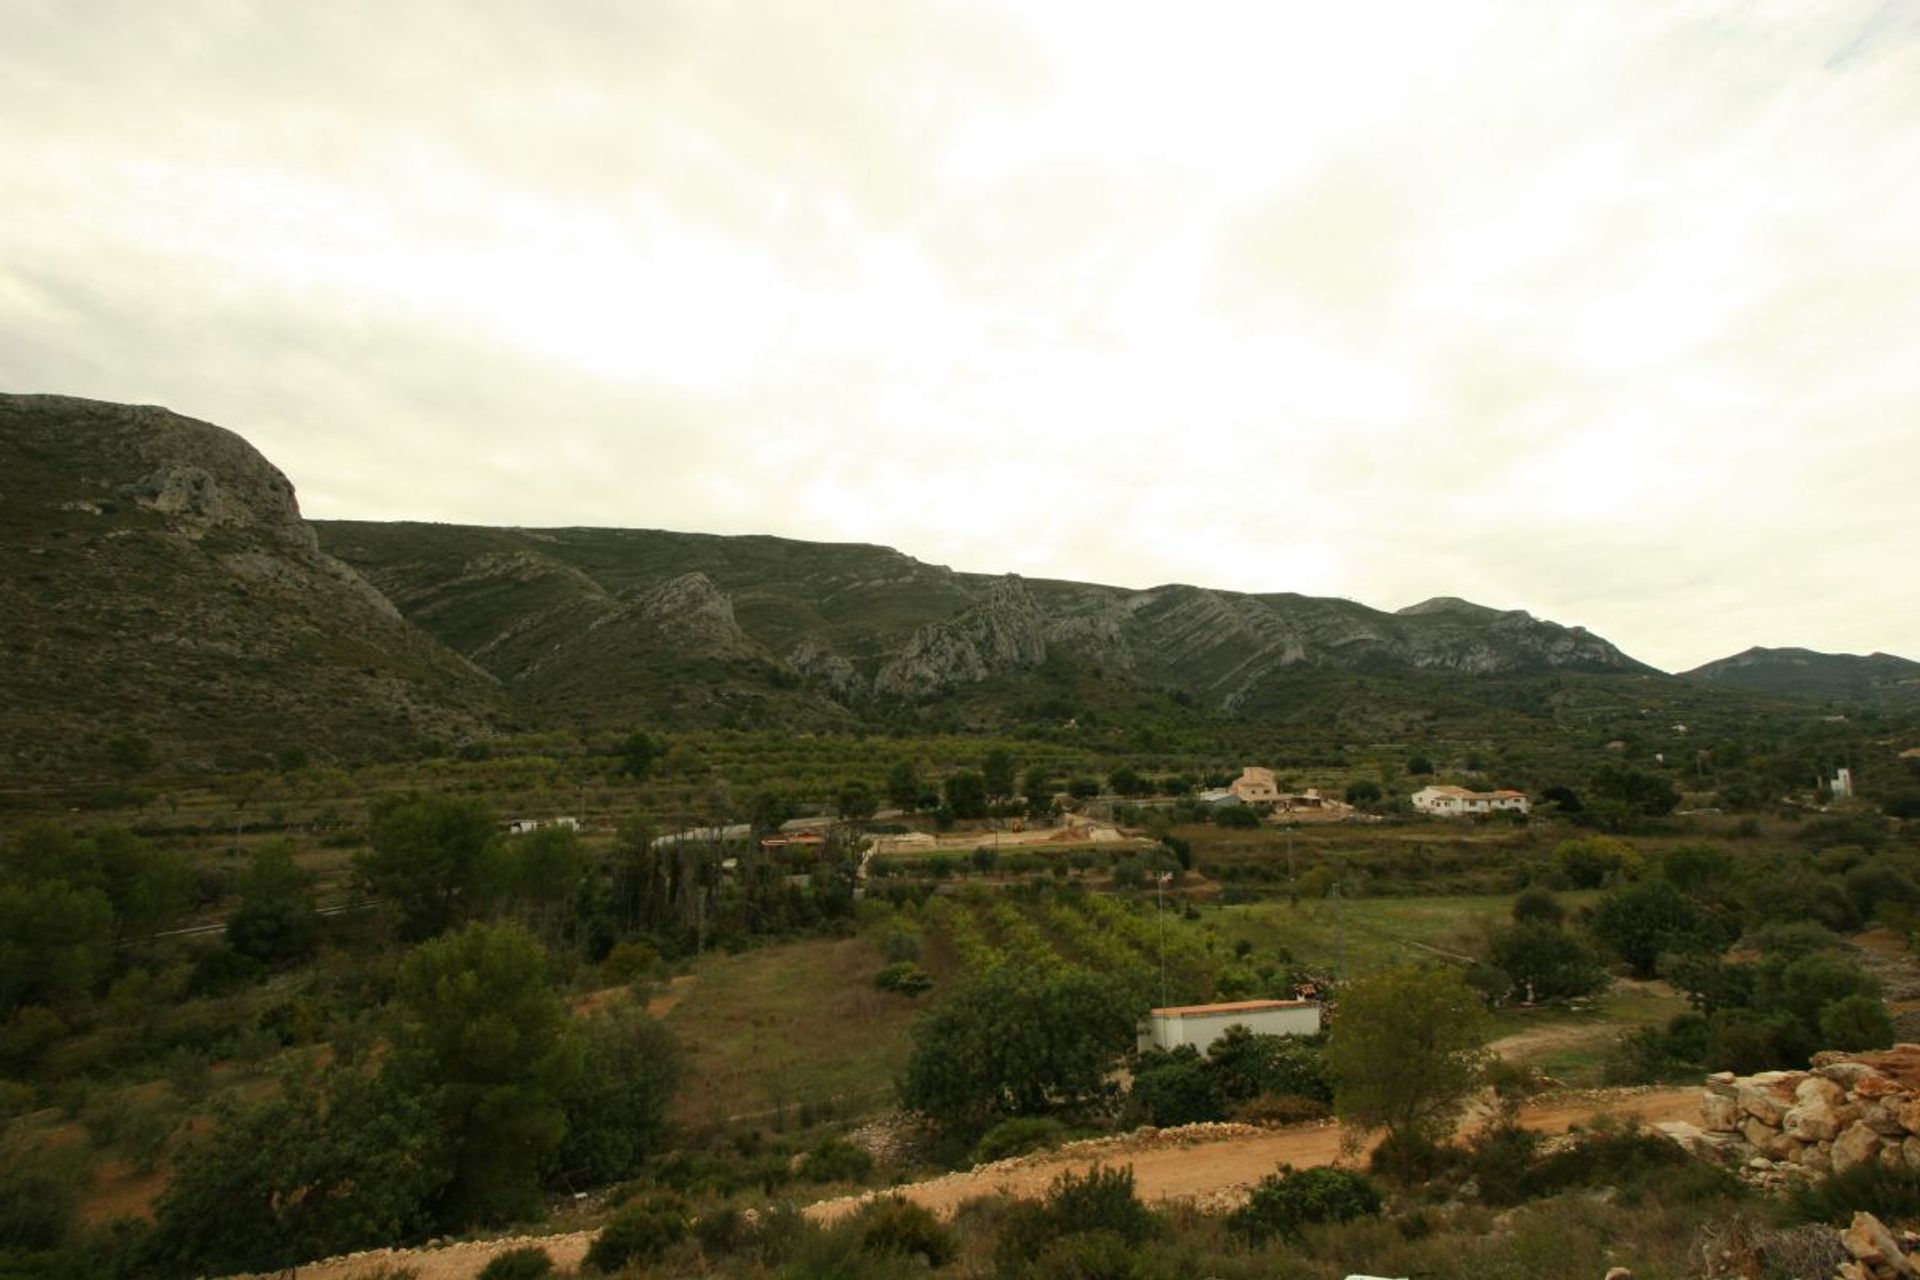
1849,1109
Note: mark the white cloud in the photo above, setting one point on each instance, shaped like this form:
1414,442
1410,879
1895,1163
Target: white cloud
1607,312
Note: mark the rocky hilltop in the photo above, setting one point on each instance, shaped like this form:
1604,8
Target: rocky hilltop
161,586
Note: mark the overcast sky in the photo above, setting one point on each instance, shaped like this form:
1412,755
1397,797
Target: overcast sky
1609,311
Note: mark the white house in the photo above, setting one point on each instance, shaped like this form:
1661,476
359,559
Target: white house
1457,802
1201,1024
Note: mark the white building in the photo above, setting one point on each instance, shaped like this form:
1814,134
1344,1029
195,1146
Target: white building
1201,1024
1458,802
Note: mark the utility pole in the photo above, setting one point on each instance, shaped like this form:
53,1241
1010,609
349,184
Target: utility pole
1339,935
1160,916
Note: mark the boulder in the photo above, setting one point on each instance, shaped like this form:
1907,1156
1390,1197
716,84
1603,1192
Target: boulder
1883,1119
1815,1157
1857,1144
1907,1111
1782,1146
1719,1113
1874,1084
1910,1149
1815,1087
1846,1074
1813,1120
1758,1133
1759,1101
1867,1240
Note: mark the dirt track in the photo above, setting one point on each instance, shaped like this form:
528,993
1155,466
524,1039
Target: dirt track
1207,1165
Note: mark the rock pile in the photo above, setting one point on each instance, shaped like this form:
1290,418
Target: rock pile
1850,1109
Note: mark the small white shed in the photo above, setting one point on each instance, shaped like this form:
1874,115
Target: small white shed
1201,1024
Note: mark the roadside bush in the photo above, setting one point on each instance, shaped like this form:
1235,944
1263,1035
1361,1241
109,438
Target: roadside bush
1018,1136
1103,1200
528,1262
896,1225
1284,1202
904,977
1175,1087
1278,1110
1636,1162
642,1231
1891,1195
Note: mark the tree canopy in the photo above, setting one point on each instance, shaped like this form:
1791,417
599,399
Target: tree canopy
1016,1042
1405,1052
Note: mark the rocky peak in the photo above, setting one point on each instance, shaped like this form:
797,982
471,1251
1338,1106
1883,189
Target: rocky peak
1005,631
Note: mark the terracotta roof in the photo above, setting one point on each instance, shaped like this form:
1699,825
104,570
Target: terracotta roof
1237,1006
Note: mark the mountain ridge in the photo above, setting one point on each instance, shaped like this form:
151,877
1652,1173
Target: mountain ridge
168,554
1813,675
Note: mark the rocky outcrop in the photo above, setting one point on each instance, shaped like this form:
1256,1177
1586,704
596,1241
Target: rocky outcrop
816,660
691,611
1847,1110
174,593
1004,632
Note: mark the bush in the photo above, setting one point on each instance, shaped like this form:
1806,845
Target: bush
1018,1136
1500,1160
1284,1202
1892,1195
896,1225
1095,1255
837,1160
1277,1110
905,977
1856,1022
1635,1161
528,1262
1102,1201
641,1231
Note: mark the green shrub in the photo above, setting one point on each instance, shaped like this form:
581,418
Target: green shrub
1637,1162
903,976
1018,1136
528,1262
1284,1202
1102,1200
896,1225
641,1231
1095,1255
1856,1022
1892,1195
1500,1160
837,1160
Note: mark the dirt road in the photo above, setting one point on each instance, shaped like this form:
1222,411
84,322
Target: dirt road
1212,1165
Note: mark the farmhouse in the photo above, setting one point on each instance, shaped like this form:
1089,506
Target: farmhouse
1201,1024
1455,802
1255,786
